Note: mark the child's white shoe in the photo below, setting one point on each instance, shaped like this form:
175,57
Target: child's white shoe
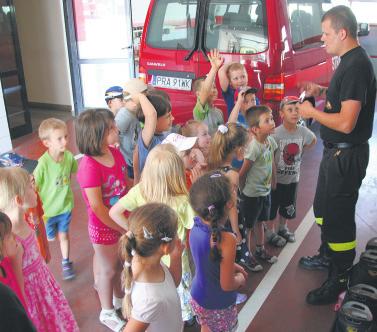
109,318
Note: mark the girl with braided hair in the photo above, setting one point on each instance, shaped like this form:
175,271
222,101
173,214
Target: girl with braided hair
217,276
151,300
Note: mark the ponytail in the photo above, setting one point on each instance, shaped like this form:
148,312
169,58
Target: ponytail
226,139
213,218
127,251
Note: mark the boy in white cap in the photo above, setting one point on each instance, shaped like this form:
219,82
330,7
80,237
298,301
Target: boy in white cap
114,98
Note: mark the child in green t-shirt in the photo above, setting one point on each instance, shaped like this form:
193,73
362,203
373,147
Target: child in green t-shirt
206,93
53,179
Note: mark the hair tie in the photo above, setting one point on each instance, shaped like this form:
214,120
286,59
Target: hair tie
130,235
127,264
222,129
211,208
147,234
214,237
166,238
216,175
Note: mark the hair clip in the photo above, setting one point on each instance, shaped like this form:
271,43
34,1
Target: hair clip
216,175
133,252
147,235
130,235
223,129
127,291
211,208
126,264
166,239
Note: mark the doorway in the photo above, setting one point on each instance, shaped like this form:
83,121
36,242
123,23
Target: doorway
100,47
11,73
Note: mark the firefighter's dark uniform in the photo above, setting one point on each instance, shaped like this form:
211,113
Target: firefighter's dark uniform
345,158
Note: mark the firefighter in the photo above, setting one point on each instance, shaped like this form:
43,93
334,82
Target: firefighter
346,126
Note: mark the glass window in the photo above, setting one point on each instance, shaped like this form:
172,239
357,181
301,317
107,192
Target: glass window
102,29
237,28
96,78
172,24
305,19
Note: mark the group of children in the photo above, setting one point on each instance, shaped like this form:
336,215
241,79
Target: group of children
174,218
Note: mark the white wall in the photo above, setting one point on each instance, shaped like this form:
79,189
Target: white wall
41,31
5,142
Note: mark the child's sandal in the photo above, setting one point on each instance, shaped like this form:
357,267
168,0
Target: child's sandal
287,235
277,240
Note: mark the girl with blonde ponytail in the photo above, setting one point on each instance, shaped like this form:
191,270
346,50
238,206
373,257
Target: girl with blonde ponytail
151,300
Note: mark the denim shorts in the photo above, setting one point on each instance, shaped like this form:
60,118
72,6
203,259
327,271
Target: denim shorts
58,224
130,171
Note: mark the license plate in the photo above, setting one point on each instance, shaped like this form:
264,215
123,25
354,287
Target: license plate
176,83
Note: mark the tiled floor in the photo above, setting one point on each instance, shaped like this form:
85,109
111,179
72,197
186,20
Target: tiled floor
284,308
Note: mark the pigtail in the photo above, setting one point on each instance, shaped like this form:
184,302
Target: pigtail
127,251
214,216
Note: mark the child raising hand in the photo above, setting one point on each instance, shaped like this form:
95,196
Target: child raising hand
206,93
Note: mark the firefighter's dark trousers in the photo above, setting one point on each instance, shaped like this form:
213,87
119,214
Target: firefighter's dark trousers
340,175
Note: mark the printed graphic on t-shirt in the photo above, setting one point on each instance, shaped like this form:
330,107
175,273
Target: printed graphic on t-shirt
290,156
62,180
113,189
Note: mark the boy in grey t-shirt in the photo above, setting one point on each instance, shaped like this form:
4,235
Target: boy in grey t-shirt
291,139
125,117
256,177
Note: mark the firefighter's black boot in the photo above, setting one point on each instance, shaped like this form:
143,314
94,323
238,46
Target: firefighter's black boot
316,262
330,289
321,261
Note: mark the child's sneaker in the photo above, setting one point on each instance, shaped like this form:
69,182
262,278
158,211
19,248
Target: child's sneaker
110,319
241,298
68,272
286,234
251,264
263,254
